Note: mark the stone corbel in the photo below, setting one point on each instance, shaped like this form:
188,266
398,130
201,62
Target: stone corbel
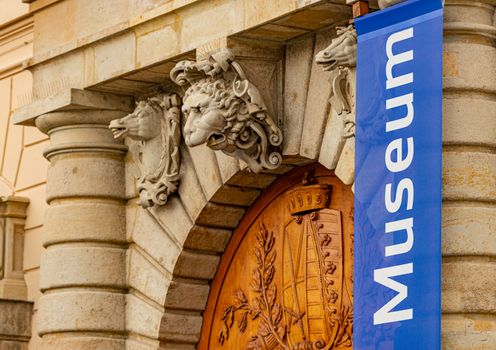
155,126
12,218
225,111
340,59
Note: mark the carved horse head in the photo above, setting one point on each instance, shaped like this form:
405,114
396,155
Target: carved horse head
341,52
155,123
143,124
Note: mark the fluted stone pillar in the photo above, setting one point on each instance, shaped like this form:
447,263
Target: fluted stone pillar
469,176
83,277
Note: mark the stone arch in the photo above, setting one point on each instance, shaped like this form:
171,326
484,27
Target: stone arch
197,263
175,249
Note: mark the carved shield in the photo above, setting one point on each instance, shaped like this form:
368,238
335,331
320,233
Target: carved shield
313,278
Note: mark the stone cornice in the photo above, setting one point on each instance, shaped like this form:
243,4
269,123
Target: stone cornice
72,99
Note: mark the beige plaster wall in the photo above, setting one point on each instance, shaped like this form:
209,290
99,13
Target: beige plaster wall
22,166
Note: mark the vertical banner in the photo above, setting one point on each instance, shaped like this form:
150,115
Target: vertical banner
397,261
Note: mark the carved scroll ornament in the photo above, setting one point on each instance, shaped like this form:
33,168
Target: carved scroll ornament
226,112
338,58
155,125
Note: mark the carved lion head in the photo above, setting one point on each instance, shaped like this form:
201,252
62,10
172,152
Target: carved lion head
226,112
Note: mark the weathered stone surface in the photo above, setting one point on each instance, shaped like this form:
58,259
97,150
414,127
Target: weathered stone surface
174,219
142,318
83,342
468,332
205,164
69,222
82,177
66,265
249,179
345,168
196,299
469,285
478,77
146,276
207,238
317,107
332,142
459,126
468,230
15,324
182,328
228,166
190,190
469,175
299,57
220,216
154,240
87,310
196,265
233,195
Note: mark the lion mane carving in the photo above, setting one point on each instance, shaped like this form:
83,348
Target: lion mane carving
155,125
226,112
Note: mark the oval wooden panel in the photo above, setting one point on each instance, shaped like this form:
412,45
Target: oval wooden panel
285,279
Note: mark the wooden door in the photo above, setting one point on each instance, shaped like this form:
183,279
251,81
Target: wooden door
285,280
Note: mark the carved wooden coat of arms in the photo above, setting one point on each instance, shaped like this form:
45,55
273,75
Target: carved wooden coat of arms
298,292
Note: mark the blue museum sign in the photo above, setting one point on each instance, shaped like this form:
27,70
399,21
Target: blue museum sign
397,259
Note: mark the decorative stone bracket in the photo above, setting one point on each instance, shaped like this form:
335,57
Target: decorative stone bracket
340,58
155,124
226,112
12,218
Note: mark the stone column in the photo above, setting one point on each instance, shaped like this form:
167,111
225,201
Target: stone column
83,277
469,176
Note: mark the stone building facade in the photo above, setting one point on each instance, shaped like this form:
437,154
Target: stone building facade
215,107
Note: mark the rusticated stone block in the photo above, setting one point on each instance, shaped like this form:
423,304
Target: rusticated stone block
70,265
83,310
76,176
221,216
141,317
468,332
196,265
468,285
469,175
232,195
299,57
109,217
207,238
345,169
181,328
146,277
196,293
15,324
86,342
468,230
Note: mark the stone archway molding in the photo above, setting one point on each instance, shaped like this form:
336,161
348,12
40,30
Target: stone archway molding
176,248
